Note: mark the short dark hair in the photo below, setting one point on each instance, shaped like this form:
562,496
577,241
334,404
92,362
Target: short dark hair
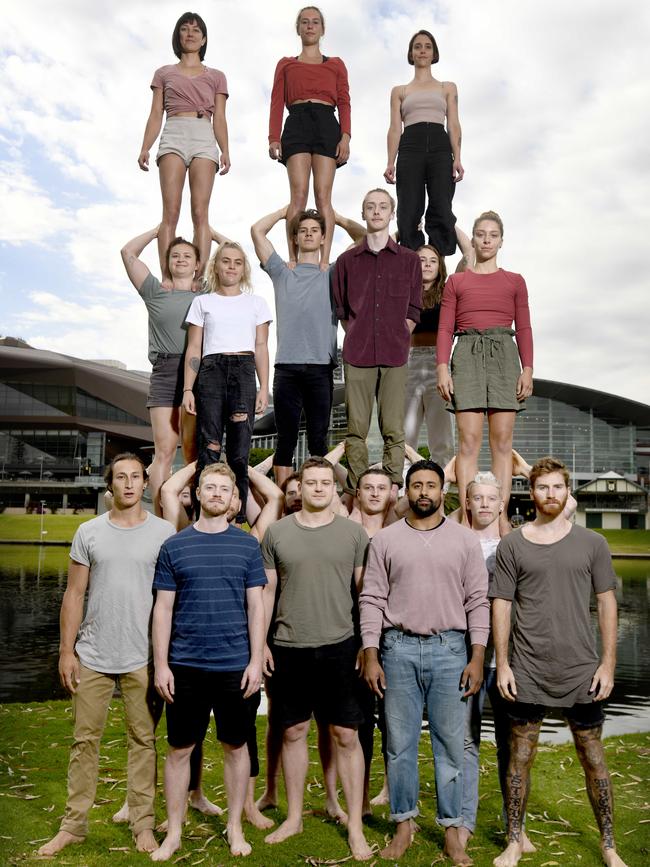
189,18
177,242
425,465
547,465
292,478
374,471
310,214
315,462
123,456
436,53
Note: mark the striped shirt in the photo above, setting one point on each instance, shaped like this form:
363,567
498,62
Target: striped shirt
210,574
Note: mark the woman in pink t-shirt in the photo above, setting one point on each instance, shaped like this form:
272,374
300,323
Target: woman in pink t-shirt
489,374
193,97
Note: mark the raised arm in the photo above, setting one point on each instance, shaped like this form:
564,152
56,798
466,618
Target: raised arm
465,244
172,508
72,610
136,270
394,132
264,249
152,129
192,364
217,237
262,366
453,128
220,126
355,230
273,499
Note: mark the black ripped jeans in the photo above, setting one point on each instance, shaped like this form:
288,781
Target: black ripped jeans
225,387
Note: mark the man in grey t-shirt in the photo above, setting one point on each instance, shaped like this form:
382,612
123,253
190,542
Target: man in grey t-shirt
306,329
113,557
548,569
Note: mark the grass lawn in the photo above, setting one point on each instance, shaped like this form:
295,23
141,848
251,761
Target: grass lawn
627,541
34,744
27,528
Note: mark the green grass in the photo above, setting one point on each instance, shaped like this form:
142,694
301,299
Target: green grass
627,541
27,528
33,760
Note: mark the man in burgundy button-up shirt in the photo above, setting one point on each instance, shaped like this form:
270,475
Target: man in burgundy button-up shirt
378,297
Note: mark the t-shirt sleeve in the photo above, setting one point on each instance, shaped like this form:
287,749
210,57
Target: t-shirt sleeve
262,311
274,266
603,577
277,102
504,580
196,313
361,553
149,288
219,82
158,79
374,595
267,549
79,550
523,328
476,603
447,321
164,578
343,98
256,576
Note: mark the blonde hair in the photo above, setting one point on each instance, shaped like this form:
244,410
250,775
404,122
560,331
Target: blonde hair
488,215
212,275
378,190
216,469
486,478
304,9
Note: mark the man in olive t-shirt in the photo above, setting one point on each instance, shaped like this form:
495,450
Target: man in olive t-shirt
548,569
313,557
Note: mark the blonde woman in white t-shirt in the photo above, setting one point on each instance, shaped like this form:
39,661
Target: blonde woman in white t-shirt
227,344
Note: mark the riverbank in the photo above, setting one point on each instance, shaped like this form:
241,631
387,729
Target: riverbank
59,530
33,761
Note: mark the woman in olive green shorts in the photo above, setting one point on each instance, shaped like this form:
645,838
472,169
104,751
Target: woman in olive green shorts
479,306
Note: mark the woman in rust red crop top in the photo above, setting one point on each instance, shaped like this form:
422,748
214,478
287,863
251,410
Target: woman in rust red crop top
193,96
313,141
427,154
489,374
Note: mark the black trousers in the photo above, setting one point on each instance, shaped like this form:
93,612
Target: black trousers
424,164
298,387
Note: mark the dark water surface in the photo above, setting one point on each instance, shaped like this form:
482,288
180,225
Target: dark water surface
33,579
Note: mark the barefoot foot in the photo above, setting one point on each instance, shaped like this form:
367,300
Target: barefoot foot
527,847
122,814
335,811
145,841
237,842
382,798
284,831
400,842
358,844
199,802
255,817
266,802
510,855
611,857
167,849
58,842
454,849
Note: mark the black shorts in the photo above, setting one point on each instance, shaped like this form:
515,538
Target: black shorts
586,715
311,128
166,383
317,680
196,693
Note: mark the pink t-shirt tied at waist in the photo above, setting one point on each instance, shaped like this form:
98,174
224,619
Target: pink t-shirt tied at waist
183,93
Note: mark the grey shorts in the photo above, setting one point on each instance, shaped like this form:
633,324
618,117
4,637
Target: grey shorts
188,138
485,369
166,383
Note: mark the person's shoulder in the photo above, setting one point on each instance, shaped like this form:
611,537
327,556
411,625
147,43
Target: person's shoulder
283,62
336,61
588,537
88,527
456,530
150,287
407,253
161,525
390,533
167,69
449,87
241,537
354,528
513,277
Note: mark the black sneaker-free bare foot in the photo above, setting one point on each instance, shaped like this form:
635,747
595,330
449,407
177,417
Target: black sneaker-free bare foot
59,842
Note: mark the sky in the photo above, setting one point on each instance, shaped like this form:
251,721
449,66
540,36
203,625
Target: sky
553,102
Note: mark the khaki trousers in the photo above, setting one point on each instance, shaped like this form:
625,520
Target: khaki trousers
362,386
89,711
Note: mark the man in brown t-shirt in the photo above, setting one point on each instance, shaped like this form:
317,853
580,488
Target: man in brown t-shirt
548,568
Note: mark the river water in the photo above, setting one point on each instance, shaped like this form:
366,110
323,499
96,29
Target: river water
33,579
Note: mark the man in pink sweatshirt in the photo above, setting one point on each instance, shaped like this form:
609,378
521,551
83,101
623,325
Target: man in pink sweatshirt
424,587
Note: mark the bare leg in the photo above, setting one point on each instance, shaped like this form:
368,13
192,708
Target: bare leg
299,170
177,778
281,473
202,172
470,433
350,765
294,764
251,810
236,773
165,422
324,169
171,169
269,798
122,815
382,797
327,752
500,427
188,436
599,788
523,747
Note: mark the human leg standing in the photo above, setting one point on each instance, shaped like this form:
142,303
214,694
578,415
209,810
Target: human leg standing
324,170
165,425
390,415
211,406
439,219
299,171
469,424
413,401
295,761
240,419
360,386
317,385
440,433
500,427
287,408
410,184
350,767
172,171
201,176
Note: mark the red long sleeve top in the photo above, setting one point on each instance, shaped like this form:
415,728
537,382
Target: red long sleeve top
294,80
472,300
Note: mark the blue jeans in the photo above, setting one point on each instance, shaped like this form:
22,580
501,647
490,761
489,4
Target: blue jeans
424,670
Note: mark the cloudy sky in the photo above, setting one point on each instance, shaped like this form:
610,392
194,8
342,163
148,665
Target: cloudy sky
553,103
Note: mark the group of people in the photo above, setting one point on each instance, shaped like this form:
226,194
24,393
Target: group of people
352,605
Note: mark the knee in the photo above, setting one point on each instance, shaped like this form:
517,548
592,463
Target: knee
344,738
171,213
501,443
299,195
179,755
469,443
296,733
165,452
199,213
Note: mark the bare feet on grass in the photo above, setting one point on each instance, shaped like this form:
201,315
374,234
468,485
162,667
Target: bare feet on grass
335,811
166,849
199,802
527,846
359,847
400,843
382,798
510,856
454,849
266,802
122,815
57,843
255,816
237,842
611,857
145,841
284,831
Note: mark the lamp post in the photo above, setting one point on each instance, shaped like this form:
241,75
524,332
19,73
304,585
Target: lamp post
43,532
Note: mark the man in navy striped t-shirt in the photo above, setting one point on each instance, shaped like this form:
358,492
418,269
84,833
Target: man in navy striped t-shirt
208,639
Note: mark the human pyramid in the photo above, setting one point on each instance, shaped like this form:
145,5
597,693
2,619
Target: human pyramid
354,607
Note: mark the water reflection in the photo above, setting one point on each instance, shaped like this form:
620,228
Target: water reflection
33,581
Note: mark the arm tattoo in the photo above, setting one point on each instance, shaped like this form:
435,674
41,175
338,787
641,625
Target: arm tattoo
195,363
131,259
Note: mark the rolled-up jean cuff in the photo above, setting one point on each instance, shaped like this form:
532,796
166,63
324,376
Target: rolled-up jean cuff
404,817
450,823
